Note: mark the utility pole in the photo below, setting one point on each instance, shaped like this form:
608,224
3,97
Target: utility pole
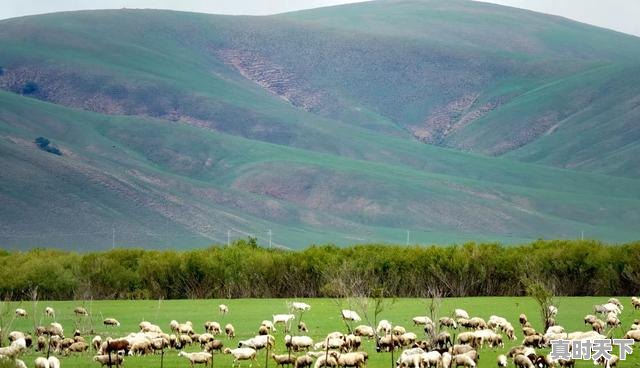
269,238
113,237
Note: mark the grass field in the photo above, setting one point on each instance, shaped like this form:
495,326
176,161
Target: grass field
324,317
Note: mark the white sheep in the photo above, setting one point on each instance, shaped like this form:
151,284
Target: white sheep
300,306
364,330
21,312
268,325
19,363
353,359
200,357
257,342
283,319
223,309
384,326
53,362
431,358
49,312
297,343
230,331
502,361
80,311
41,362
553,310
350,315
422,320
111,359
461,313
242,354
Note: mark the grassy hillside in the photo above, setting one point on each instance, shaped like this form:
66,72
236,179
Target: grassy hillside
320,125
324,317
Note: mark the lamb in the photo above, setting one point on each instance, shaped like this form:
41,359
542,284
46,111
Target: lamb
297,343
80,311
223,309
111,322
303,361
355,359
241,354
284,359
283,319
421,320
213,345
300,306
230,331
521,361
302,327
364,331
41,362
384,326
350,315
115,359
49,312
197,358
502,361
53,362
463,360
461,313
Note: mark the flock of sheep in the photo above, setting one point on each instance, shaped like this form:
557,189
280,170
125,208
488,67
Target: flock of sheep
436,348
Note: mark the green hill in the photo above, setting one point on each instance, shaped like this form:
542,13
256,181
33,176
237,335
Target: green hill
341,124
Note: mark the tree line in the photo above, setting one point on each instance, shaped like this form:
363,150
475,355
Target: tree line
244,269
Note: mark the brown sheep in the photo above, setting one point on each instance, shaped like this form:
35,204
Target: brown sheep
303,361
284,359
521,361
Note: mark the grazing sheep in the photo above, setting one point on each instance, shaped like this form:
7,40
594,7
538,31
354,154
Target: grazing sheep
460,349
445,360
613,321
268,325
116,345
205,338
607,308
521,361
364,331
115,359
209,326
77,347
185,340
149,327
223,309
421,320
528,331
80,311
41,362
461,313
608,363
49,312
384,326
140,348
216,345
502,361
53,362
616,301
197,358
41,343
509,331
96,342
326,360
19,363
297,343
633,334
448,322
263,330
302,327
589,319
111,322
407,338
387,343
300,306
354,359
553,310
478,323
350,315
21,313
303,361
230,331
635,302
443,340
463,360
284,359
352,343
467,338
257,342
535,341
431,359
523,319
242,354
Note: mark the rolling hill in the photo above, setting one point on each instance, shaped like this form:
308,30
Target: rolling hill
455,120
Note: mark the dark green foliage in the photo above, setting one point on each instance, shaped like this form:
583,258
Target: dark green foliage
30,88
575,268
45,145
1,70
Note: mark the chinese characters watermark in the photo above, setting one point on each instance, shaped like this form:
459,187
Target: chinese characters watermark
589,349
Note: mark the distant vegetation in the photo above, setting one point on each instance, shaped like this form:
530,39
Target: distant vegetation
30,88
573,268
45,145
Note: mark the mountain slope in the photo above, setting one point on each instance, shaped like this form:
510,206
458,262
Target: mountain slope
182,129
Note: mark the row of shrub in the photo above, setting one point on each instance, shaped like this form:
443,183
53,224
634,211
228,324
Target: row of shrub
246,270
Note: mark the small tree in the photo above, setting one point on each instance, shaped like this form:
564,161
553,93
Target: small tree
544,297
